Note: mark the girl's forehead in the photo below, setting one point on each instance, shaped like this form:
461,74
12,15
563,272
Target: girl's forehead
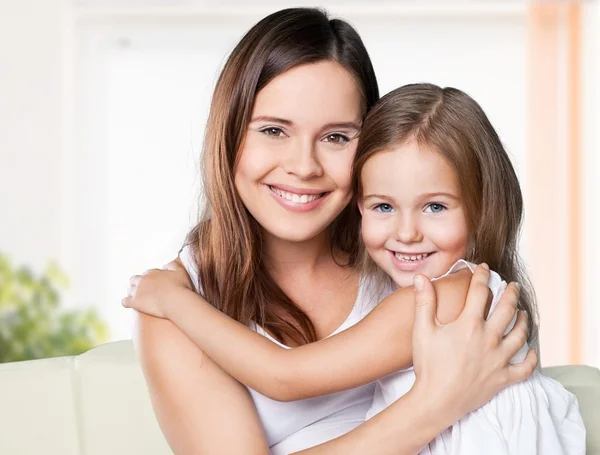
408,169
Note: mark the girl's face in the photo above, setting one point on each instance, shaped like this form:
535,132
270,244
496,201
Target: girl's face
294,170
413,220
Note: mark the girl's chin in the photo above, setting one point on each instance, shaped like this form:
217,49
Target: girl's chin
405,280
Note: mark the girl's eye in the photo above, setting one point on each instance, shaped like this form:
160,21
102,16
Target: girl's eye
435,208
337,138
273,131
384,208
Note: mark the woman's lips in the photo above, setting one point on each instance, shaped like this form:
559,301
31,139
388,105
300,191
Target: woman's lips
301,200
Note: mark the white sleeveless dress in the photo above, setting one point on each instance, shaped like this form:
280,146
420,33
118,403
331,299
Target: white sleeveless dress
297,425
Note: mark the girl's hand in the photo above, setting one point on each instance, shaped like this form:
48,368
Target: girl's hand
152,292
464,364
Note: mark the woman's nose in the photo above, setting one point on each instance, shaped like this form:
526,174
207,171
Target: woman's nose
303,161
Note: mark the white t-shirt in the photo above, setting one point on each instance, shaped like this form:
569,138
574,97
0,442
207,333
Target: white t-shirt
535,417
297,425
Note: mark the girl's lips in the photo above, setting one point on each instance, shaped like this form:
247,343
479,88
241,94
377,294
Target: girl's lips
409,266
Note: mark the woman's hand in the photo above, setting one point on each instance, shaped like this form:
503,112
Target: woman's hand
152,292
464,364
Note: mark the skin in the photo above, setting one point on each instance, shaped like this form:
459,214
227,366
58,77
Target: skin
411,206
197,403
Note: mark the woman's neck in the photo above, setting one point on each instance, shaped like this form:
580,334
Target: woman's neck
282,256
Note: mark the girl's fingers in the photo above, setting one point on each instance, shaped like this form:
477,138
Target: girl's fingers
505,311
478,294
518,372
134,280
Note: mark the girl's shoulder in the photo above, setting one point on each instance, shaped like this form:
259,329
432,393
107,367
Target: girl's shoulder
496,284
373,288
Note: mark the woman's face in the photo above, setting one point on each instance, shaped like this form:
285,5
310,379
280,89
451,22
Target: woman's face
294,170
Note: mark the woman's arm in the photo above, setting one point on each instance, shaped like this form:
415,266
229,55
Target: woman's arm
382,341
403,428
199,407
459,367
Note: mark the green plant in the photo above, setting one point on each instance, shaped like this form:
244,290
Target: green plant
32,324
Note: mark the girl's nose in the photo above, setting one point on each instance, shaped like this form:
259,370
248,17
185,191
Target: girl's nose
407,229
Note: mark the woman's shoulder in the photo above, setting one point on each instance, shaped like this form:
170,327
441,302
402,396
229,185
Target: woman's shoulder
187,257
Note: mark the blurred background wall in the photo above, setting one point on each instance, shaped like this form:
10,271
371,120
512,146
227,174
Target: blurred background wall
103,105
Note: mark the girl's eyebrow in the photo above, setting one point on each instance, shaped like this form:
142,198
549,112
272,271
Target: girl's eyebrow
378,196
441,193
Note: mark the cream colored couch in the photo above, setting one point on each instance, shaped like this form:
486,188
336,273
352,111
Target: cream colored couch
97,404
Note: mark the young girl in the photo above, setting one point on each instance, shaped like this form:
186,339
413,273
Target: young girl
437,192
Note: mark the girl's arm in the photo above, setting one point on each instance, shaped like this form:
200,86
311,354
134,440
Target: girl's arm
459,367
201,409
378,345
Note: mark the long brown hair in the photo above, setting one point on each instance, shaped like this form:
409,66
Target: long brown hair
227,241
452,123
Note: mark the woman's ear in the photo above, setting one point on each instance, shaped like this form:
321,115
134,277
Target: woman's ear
360,206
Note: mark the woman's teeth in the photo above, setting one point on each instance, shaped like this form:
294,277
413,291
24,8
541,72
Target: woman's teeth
411,258
296,198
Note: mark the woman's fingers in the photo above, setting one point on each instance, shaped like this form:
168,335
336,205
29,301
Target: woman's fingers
479,292
518,372
425,304
505,311
514,341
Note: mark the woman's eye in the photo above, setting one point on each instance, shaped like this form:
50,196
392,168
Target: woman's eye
337,138
435,208
384,208
272,131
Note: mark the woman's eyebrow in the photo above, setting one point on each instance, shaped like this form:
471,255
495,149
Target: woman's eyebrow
267,118
329,126
342,126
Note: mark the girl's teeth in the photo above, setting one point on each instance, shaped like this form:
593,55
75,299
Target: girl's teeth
296,198
411,258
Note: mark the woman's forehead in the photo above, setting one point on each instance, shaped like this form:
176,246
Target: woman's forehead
311,94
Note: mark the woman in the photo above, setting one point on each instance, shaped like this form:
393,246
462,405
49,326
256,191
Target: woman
277,249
